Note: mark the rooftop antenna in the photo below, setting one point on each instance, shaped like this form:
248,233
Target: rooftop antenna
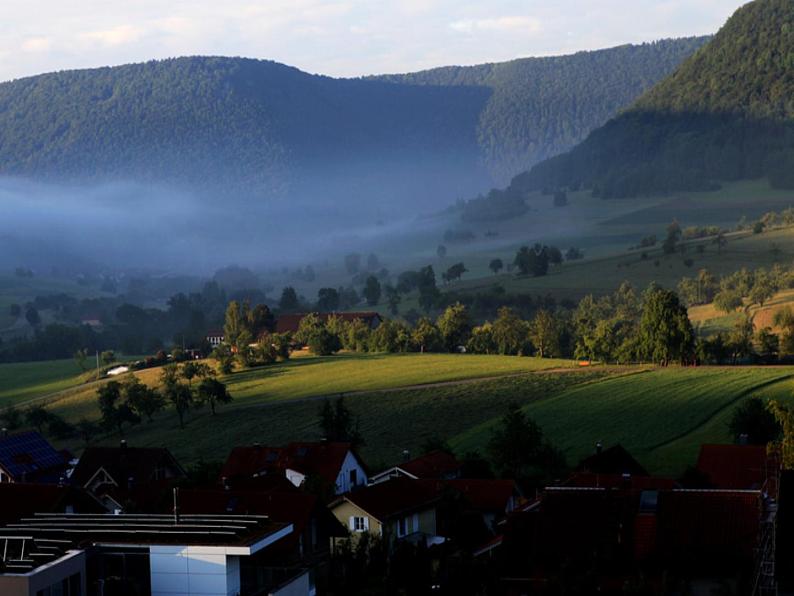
176,506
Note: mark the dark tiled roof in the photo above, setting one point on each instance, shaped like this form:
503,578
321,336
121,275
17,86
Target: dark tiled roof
615,460
486,495
397,496
733,466
123,463
215,333
619,481
21,500
29,456
436,464
291,322
323,459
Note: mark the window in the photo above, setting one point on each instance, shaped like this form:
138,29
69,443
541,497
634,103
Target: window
402,526
353,477
359,524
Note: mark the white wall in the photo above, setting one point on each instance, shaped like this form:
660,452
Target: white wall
343,479
193,571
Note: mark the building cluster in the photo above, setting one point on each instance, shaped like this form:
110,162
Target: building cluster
284,520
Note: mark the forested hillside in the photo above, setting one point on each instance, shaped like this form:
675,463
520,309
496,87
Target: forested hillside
726,114
539,107
264,129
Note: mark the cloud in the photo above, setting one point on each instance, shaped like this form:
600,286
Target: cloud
36,44
522,24
115,36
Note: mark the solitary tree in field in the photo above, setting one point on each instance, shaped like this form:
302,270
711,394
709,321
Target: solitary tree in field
544,333
81,358
116,412
496,265
182,399
289,299
143,400
212,392
37,416
338,424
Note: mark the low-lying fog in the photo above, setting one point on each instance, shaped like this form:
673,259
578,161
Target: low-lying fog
126,226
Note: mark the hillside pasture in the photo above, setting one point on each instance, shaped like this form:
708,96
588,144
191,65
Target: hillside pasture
660,416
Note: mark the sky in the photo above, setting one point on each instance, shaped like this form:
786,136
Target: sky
334,37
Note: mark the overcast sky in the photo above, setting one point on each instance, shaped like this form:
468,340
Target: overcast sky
334,37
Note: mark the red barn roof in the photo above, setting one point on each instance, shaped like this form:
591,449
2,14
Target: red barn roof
733,466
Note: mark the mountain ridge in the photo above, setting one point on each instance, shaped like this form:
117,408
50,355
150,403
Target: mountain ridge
263,129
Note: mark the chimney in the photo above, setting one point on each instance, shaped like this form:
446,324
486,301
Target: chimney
599,447
176,506
5,431
744,439
406,455
123,443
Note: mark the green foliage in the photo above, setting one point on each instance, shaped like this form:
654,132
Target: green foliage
665,333
338,424
753,420
454,324
519,450
372,290
213,392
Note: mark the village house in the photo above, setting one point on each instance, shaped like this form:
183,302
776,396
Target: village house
121,476
400,509
438,465
335,464
29,457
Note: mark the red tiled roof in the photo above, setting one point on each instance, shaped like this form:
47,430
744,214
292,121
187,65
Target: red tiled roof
486,495
397,496
733,466
705,524
323,460
215,333
435,464
291,322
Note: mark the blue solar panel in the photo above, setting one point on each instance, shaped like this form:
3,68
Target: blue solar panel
27,454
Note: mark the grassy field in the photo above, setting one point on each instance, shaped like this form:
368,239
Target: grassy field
22,382
389,421
661,416
309,376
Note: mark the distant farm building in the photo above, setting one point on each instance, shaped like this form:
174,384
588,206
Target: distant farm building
215,337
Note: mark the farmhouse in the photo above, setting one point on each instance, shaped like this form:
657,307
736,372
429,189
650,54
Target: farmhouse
28,457
215,337
159,555
334,464
291,323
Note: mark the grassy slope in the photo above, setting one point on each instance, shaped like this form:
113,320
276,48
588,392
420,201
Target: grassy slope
389,421
606,229
22,382
661,416
309,376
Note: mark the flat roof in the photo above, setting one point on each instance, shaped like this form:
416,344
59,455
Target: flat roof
43,538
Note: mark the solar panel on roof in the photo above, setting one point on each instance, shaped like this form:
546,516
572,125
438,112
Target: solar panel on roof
27,453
